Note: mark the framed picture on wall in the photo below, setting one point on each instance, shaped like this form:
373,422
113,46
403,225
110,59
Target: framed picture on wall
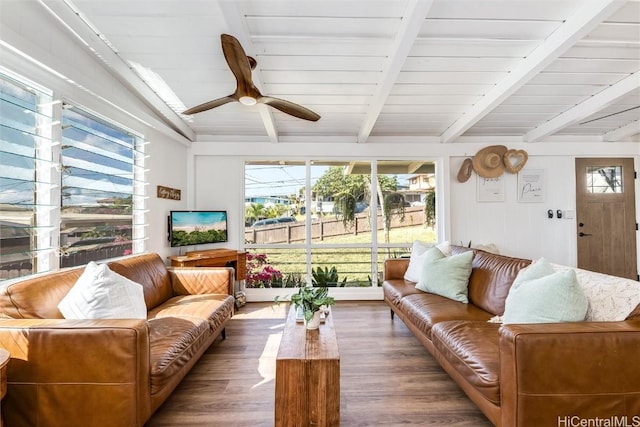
490,189
531,185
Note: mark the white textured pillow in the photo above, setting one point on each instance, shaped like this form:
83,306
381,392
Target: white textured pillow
611,298
101,293
445,247
492,248
416,262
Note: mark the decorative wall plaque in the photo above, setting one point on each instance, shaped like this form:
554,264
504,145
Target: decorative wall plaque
531,185
490,189
168,193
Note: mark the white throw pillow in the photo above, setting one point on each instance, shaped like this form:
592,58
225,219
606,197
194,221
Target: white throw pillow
492,248
416,262
445,247
101,293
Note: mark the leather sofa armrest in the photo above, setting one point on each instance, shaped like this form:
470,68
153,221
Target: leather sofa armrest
550,373
100,368
202,280
394,268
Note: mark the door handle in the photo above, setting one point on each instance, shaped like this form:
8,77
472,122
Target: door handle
581,234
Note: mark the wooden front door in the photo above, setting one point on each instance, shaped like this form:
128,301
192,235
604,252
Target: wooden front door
606,218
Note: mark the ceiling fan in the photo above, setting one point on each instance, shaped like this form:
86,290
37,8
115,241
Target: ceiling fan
246,93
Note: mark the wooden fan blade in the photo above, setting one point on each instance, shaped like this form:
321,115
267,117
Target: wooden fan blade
290,108
239,64
209,105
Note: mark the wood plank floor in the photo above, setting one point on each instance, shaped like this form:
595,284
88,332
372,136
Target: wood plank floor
387,377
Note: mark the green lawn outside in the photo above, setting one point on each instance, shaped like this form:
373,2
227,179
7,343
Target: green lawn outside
354,264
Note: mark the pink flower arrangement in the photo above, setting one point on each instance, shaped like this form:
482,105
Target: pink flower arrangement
261,274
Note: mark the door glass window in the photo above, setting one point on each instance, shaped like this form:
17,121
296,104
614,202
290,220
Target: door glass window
604,179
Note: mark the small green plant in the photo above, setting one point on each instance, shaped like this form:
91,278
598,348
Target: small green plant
311,299
327,277
430,209
345,205
379,281
292,280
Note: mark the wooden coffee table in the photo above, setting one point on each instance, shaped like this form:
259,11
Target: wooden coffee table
307,375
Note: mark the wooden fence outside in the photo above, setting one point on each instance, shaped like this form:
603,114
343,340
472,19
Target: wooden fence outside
11,270
292,232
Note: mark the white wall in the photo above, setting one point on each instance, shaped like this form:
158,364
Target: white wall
518,229
218,185
167,165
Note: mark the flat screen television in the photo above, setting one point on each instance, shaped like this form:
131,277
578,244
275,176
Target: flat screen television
188,228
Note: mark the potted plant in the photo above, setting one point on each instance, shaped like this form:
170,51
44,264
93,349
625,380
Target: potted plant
311,301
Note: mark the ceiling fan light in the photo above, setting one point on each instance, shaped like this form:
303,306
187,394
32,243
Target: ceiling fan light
248,100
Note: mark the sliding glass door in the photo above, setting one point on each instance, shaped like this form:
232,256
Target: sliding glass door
313,221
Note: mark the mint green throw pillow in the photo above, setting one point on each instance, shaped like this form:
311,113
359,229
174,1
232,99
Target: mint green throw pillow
447,276
551,298
536,270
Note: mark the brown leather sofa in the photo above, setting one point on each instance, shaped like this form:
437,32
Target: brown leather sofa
522,375
112,373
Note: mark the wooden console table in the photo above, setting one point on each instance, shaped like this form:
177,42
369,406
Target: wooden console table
307,376
214,258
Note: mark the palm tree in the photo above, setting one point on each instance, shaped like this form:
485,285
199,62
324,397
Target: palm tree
253,212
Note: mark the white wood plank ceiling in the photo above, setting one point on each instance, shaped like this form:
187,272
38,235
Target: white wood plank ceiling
440,70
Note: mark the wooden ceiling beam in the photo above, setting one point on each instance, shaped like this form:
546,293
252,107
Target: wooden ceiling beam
236,21
585,109
76,25
622,132
350,168
412,21
588,17
414,166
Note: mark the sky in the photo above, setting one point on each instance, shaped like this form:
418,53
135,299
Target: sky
275,180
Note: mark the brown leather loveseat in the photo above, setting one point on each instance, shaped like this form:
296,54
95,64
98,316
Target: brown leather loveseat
522,375
112,373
